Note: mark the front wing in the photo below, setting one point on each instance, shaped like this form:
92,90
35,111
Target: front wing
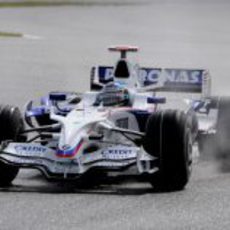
32,155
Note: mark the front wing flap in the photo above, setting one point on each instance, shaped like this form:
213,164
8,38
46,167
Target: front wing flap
32,155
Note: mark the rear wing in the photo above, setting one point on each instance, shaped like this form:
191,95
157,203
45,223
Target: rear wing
159,79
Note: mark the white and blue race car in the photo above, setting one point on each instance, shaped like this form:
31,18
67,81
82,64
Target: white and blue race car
120,124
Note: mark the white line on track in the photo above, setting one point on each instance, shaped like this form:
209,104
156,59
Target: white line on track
32,37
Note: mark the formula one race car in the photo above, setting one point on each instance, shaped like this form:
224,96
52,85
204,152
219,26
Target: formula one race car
116,126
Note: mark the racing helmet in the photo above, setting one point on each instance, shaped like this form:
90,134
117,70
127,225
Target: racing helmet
113,94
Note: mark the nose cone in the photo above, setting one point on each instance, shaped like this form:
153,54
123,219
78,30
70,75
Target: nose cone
75,129
66,151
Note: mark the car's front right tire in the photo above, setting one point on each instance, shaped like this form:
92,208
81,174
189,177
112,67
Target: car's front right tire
11,124
169,138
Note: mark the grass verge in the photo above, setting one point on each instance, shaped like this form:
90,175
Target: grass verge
43,3
34,3
10,34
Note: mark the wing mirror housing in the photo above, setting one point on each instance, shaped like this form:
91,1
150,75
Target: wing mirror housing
56,96
156,100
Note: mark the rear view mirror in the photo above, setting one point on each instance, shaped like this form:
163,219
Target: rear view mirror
156,100
56,96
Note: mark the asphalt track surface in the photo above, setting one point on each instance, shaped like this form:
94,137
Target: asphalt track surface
59,47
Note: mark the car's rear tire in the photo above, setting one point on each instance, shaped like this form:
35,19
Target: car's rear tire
11,124
222,137
168,137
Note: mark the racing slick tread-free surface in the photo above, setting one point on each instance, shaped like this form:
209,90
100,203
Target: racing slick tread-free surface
11,123
222,136
168,137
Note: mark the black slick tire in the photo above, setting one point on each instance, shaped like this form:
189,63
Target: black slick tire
222,136
168,137
11,123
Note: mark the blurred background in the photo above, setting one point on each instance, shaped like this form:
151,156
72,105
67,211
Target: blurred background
45,48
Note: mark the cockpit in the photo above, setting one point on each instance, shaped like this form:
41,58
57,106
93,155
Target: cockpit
113,94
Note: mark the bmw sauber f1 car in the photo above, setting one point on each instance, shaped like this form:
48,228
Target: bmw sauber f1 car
121,123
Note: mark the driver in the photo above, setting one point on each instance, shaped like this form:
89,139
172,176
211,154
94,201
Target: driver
113,94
